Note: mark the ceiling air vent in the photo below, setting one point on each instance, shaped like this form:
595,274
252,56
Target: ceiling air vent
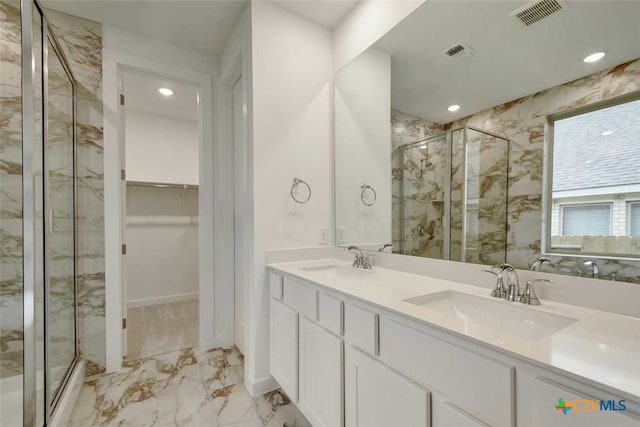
536,11
459,51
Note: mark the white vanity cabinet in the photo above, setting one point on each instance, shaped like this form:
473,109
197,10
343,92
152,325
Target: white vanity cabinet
545,394
321,373
376,396
346,362
284,348
306,358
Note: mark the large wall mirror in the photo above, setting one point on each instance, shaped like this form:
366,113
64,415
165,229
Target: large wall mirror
487,132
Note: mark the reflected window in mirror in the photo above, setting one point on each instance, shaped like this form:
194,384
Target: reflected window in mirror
595,185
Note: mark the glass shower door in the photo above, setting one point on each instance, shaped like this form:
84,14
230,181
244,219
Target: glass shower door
60,276
484,204
425,194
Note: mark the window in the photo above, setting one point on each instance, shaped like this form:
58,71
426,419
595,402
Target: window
634,219
593,181
586,220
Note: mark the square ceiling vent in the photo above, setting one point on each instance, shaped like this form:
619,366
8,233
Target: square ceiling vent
536,11
459,51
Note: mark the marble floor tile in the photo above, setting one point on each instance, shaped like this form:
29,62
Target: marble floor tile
190,387
161,328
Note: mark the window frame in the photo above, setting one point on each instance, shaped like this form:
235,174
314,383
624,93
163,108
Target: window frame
547,178
583,204
630,204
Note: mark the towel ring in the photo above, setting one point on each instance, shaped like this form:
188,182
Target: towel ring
365,187
297,181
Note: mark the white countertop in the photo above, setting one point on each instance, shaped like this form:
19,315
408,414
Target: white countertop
600,347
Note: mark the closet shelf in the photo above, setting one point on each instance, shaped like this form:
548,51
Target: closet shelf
162,185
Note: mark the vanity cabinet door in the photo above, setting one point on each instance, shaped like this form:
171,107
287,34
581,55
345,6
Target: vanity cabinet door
284,348
321,370
376,396
447,414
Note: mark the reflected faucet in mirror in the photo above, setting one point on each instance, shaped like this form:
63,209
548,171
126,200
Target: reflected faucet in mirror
538,263
385,246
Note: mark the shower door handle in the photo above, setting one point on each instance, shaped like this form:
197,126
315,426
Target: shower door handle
50,214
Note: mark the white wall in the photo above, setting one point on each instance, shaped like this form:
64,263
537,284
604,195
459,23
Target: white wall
161,148
365,24
162,245
363,148
292,137
126,42
234,62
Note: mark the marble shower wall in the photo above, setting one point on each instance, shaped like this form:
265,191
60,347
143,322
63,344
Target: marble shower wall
406,129
523,122
11,287
81,42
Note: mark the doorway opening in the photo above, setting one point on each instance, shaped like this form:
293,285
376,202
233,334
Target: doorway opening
160,210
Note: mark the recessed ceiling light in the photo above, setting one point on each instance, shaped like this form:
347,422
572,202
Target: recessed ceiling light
165,91
594,57
607,133
453,108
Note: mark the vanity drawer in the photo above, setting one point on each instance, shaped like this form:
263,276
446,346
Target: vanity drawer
478,386
301,298
275,281
361,328
330,313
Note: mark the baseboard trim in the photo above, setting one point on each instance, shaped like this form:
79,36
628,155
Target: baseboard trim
69,396
162,300
261,386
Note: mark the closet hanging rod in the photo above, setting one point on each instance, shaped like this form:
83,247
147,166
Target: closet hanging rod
162,185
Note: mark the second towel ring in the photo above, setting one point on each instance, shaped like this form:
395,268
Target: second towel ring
297,181
364,188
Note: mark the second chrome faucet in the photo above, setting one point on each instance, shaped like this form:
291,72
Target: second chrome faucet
511,291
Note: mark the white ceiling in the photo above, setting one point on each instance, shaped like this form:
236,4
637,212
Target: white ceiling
328,13
510,60
203,26
141,93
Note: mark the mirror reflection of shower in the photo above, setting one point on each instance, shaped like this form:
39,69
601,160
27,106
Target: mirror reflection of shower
457,177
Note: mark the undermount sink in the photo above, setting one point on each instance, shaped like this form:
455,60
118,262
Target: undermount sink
334,271
499,316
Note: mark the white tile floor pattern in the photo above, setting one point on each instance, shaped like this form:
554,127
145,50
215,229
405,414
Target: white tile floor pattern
190,387
161,328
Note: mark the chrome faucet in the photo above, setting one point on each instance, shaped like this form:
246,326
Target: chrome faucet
513,283
529,296
499,290
537,264
385,246
361,260
594,268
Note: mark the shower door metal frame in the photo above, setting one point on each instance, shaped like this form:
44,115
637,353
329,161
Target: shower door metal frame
465,140
28,77
49,37
29,367
446,136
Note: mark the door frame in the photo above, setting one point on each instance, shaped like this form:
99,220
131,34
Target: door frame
114,64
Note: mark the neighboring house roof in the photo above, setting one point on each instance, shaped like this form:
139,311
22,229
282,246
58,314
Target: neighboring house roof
585,158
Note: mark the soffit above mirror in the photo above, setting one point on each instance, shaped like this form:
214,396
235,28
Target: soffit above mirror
508,60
